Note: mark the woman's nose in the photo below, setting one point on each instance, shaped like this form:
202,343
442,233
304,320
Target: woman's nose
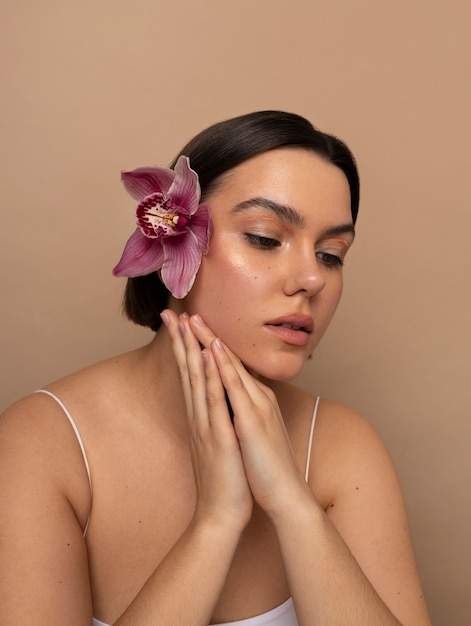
305,274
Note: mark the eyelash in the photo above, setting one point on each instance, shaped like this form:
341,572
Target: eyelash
263,243
330,261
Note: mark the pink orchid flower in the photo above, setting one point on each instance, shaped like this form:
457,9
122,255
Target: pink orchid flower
173,228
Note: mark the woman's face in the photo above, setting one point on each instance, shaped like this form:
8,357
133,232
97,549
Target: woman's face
272,278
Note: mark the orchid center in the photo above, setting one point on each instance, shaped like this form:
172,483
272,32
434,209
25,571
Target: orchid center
158,216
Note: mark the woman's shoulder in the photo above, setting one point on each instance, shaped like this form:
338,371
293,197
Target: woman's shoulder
340,431
40,455
349,454
346,454
100,375
38,420
344,422
85,381
333,417
348,434
345,445
37,416
35,432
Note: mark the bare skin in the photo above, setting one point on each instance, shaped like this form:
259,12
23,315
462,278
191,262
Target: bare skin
196,520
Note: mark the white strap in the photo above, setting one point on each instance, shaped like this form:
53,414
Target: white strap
311,435
79,439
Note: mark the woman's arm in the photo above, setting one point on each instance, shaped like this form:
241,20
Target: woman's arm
186,586
348,565
44,504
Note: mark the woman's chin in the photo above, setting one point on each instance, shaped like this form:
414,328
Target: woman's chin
280,371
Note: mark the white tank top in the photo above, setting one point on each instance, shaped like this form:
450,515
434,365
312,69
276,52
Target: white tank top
282,615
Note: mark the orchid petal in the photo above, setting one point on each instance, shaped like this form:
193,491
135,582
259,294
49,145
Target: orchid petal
141,256
185,190
201,226
147,180
182,259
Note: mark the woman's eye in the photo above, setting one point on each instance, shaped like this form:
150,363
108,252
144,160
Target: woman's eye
330,260
265,243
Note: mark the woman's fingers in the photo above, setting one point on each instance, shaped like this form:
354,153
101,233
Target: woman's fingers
237,382
200,377
204,334
242,388
172,322
221,483
195,372
218,410
206,337
266,450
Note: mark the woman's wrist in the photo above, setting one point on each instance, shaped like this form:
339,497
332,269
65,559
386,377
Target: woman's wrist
221,523
300,507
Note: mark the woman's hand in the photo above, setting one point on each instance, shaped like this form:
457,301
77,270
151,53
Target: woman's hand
268,460
223,493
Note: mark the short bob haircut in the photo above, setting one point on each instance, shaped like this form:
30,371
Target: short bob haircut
218,149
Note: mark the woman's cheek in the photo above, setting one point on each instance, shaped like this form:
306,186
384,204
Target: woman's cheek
219,287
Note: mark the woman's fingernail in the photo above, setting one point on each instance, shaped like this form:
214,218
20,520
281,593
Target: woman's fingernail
184,316
205,356
165,318
198,319
181,328
218,343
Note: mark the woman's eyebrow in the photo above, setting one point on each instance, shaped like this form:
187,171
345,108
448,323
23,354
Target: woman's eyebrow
341,229
290,215
284,212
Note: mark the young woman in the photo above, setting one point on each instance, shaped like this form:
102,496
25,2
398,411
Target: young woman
184,483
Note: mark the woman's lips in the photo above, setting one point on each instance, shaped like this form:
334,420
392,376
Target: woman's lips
292,329
289,335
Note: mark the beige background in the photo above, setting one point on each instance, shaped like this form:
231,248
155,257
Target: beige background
93,87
